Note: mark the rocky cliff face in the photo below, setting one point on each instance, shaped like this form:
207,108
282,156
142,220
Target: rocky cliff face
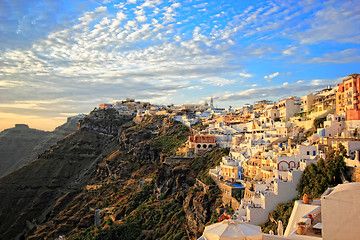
115,165
199,209
21,144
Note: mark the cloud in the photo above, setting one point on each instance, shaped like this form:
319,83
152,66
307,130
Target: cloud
260,51
245,75
285,83
334,21
7,84
276,92
290,51
344,56
119,5
317,82
272,75
24,22
141,18
222,13
201,5
217,81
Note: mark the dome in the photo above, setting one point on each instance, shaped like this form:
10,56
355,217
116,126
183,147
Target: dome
232,230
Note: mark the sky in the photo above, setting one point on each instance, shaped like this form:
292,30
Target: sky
59,58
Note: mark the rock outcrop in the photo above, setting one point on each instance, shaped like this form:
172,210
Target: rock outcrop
199,207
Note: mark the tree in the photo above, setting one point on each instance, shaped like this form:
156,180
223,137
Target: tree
324,174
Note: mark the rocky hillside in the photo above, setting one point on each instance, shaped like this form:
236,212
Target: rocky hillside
21,144
123,169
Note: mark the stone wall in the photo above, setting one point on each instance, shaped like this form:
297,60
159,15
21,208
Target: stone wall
202,185
232,202
228,193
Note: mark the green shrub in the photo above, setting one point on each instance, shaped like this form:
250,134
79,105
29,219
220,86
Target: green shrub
282,212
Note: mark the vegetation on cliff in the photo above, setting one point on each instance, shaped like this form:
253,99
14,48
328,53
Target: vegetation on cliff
202,164
324,174
171,140
282,212
168,206
138,216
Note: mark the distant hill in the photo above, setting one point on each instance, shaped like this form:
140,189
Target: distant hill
21,144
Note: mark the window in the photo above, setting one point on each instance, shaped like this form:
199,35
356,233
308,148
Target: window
308,153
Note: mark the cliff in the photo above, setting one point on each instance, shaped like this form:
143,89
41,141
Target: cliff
21,144
118,167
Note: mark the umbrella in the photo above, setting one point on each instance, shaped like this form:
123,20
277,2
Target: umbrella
232,230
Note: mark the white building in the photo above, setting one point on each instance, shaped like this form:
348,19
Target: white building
186,119
284,109
306,102
301,157
267,196
333,126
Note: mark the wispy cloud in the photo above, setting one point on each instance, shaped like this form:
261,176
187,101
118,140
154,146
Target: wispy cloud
290,51
217,81
245,75
272,75
345,56
277,92
335,21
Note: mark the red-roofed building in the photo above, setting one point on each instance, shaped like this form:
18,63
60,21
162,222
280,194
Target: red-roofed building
201,142
105,106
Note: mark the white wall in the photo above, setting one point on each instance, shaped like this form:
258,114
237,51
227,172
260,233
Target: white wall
340,212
